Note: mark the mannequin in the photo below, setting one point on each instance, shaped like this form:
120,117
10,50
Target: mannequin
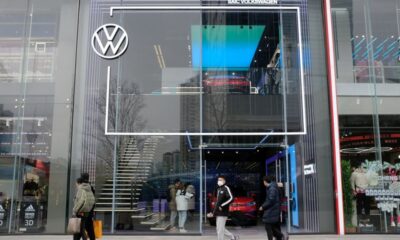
31,183
31,176
359,183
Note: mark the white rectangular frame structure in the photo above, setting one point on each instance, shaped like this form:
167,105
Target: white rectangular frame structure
155,8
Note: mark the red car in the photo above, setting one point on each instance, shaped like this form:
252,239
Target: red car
223,84
243,211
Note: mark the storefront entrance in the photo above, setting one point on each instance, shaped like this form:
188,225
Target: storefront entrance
194,82
163,98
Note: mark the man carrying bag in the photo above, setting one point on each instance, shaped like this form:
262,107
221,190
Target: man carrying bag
83,205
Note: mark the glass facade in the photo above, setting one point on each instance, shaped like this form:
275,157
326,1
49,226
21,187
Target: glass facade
37,79
140,96
367,51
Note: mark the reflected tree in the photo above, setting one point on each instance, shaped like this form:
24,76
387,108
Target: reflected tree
125,104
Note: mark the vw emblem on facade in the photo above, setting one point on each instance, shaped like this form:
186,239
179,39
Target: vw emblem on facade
109,41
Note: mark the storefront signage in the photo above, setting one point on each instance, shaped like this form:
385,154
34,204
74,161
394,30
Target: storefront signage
29,217
309,169
110,41
256,2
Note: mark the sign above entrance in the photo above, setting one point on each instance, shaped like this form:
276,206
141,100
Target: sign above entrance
256,2
109,36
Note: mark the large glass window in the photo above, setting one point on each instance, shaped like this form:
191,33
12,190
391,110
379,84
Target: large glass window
36,82
367,51
212,70
208,72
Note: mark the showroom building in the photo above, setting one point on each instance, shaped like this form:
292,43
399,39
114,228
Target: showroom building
140,94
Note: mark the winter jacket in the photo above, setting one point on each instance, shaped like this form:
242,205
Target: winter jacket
172,195
192,201
224,199
272,204
84,200
182,200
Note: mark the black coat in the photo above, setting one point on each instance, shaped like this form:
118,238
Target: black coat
272,205
224,199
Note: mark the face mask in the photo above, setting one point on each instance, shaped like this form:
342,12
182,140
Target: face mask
220,183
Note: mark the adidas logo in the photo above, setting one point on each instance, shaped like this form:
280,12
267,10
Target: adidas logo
30,209
1,208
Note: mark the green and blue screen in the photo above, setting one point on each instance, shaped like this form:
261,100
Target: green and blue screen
224,46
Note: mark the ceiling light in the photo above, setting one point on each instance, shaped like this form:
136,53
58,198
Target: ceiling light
158,56
162,56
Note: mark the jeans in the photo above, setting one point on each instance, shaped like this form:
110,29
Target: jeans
182,218
221,230
274,230
172,218
86,224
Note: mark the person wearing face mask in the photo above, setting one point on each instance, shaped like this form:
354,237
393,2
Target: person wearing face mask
221,209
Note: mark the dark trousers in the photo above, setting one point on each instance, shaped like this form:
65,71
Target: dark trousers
274,230
362,203
86,225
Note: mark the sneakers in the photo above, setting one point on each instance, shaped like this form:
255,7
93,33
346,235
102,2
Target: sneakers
393,224
236,237
172,229
182,230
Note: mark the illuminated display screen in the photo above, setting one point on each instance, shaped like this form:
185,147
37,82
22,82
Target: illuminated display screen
225,46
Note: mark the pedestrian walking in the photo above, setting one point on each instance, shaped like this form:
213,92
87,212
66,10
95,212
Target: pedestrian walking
83,205
272,208
221,209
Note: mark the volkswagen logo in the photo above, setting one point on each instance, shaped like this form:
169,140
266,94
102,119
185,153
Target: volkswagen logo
109,41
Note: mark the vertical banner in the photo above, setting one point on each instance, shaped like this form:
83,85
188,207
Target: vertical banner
29,217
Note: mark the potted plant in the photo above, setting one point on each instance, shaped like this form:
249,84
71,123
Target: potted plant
347,196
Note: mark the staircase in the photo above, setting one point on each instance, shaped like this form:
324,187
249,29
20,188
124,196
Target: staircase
133,170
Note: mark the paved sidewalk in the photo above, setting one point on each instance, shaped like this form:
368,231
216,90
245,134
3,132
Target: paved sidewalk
255,233
298,237
243,237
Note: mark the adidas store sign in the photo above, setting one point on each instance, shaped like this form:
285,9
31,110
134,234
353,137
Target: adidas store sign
30,208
